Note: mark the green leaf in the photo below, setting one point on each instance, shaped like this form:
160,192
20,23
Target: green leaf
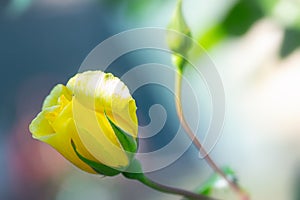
128,142
98,167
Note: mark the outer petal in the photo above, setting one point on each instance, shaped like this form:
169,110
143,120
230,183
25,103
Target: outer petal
61,140
56,92
40,126
54,125
100,91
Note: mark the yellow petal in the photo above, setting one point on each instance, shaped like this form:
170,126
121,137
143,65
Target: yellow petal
40,126
65,131
54,125
100,91
98,137
62,143
56,92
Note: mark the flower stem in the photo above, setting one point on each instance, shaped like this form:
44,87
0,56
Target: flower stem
196,142
166,189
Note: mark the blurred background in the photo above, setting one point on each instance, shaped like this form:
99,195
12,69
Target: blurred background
253,43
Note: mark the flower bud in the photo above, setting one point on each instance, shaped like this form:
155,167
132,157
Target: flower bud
178,38
91,121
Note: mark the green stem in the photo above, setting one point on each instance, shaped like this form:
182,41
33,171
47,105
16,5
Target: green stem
197,143
166,189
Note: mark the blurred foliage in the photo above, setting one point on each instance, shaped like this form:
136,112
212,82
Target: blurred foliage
239,19
213,182
133,8
291,41
236,22
296,187
18,7
212,36
267,6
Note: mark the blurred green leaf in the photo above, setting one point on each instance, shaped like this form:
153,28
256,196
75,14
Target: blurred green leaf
236,22
267,5
133,8
296,187
241,17
213,182
291,41
212,37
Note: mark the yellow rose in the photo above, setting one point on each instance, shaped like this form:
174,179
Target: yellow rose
91,121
